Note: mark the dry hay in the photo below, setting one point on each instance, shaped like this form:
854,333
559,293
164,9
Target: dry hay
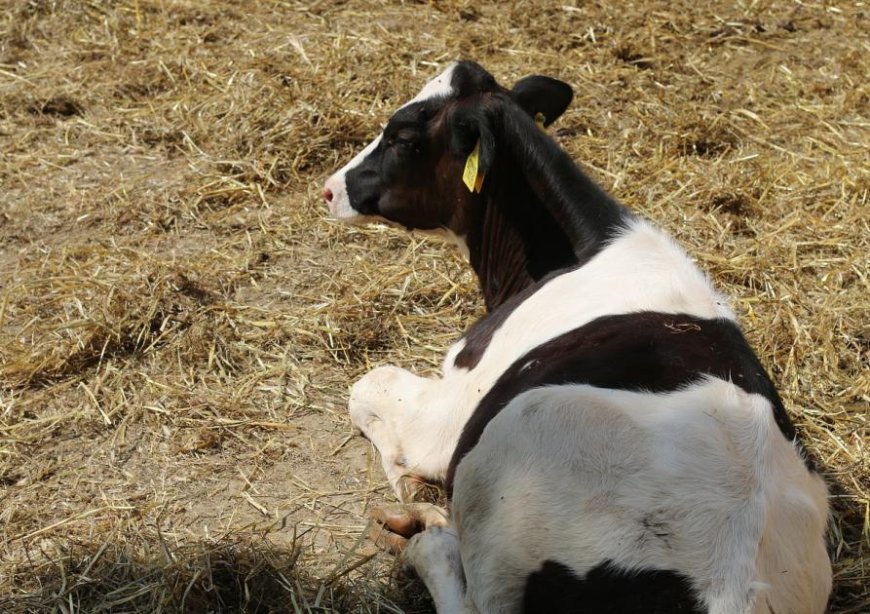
179,325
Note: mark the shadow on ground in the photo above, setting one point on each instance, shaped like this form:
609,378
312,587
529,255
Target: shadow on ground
254,576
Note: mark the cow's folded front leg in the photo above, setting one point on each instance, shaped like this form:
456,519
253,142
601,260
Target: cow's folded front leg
394,409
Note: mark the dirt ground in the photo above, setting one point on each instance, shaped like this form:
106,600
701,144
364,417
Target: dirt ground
180,324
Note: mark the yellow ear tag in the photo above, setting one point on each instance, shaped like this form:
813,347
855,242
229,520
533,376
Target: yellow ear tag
539,120
471,176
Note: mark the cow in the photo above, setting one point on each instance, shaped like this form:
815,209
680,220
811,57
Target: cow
607,438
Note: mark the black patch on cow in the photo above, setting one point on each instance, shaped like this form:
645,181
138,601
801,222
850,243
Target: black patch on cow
538,212
364,183
588,215
655,352
542,217
555,589
518,242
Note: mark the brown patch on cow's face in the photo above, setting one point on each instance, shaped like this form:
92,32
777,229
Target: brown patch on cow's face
413,184
440,202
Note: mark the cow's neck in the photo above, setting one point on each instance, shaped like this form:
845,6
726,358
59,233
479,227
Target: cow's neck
540,213
514,241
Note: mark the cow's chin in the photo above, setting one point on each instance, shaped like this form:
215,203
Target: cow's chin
341,211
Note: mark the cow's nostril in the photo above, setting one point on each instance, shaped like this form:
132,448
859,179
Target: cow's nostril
327,195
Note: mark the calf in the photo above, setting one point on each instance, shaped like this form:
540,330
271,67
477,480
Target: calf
607,438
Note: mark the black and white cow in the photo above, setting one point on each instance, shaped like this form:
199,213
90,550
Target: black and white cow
609,441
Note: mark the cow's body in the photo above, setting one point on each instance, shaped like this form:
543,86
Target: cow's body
610,441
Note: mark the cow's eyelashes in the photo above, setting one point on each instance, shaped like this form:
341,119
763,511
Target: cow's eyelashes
404,143
401,135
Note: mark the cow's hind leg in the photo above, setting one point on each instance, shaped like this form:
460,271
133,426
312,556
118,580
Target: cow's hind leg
422,535
434,554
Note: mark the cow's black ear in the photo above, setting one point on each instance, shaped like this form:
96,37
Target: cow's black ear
467,127
545,95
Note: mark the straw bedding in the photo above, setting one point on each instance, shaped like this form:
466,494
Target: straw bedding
179,324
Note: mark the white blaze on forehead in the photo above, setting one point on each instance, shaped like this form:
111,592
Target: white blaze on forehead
339,206
440,86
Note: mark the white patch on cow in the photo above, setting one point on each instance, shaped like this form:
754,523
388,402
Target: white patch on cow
699,481
380,404
340,207
439,87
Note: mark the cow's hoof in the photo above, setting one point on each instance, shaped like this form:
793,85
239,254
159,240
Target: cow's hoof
395,524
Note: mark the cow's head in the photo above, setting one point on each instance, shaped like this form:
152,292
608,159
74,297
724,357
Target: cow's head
412,173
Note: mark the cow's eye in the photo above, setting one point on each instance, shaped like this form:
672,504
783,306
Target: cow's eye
405,144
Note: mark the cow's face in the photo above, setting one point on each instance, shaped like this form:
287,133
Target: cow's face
400,176
412,173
